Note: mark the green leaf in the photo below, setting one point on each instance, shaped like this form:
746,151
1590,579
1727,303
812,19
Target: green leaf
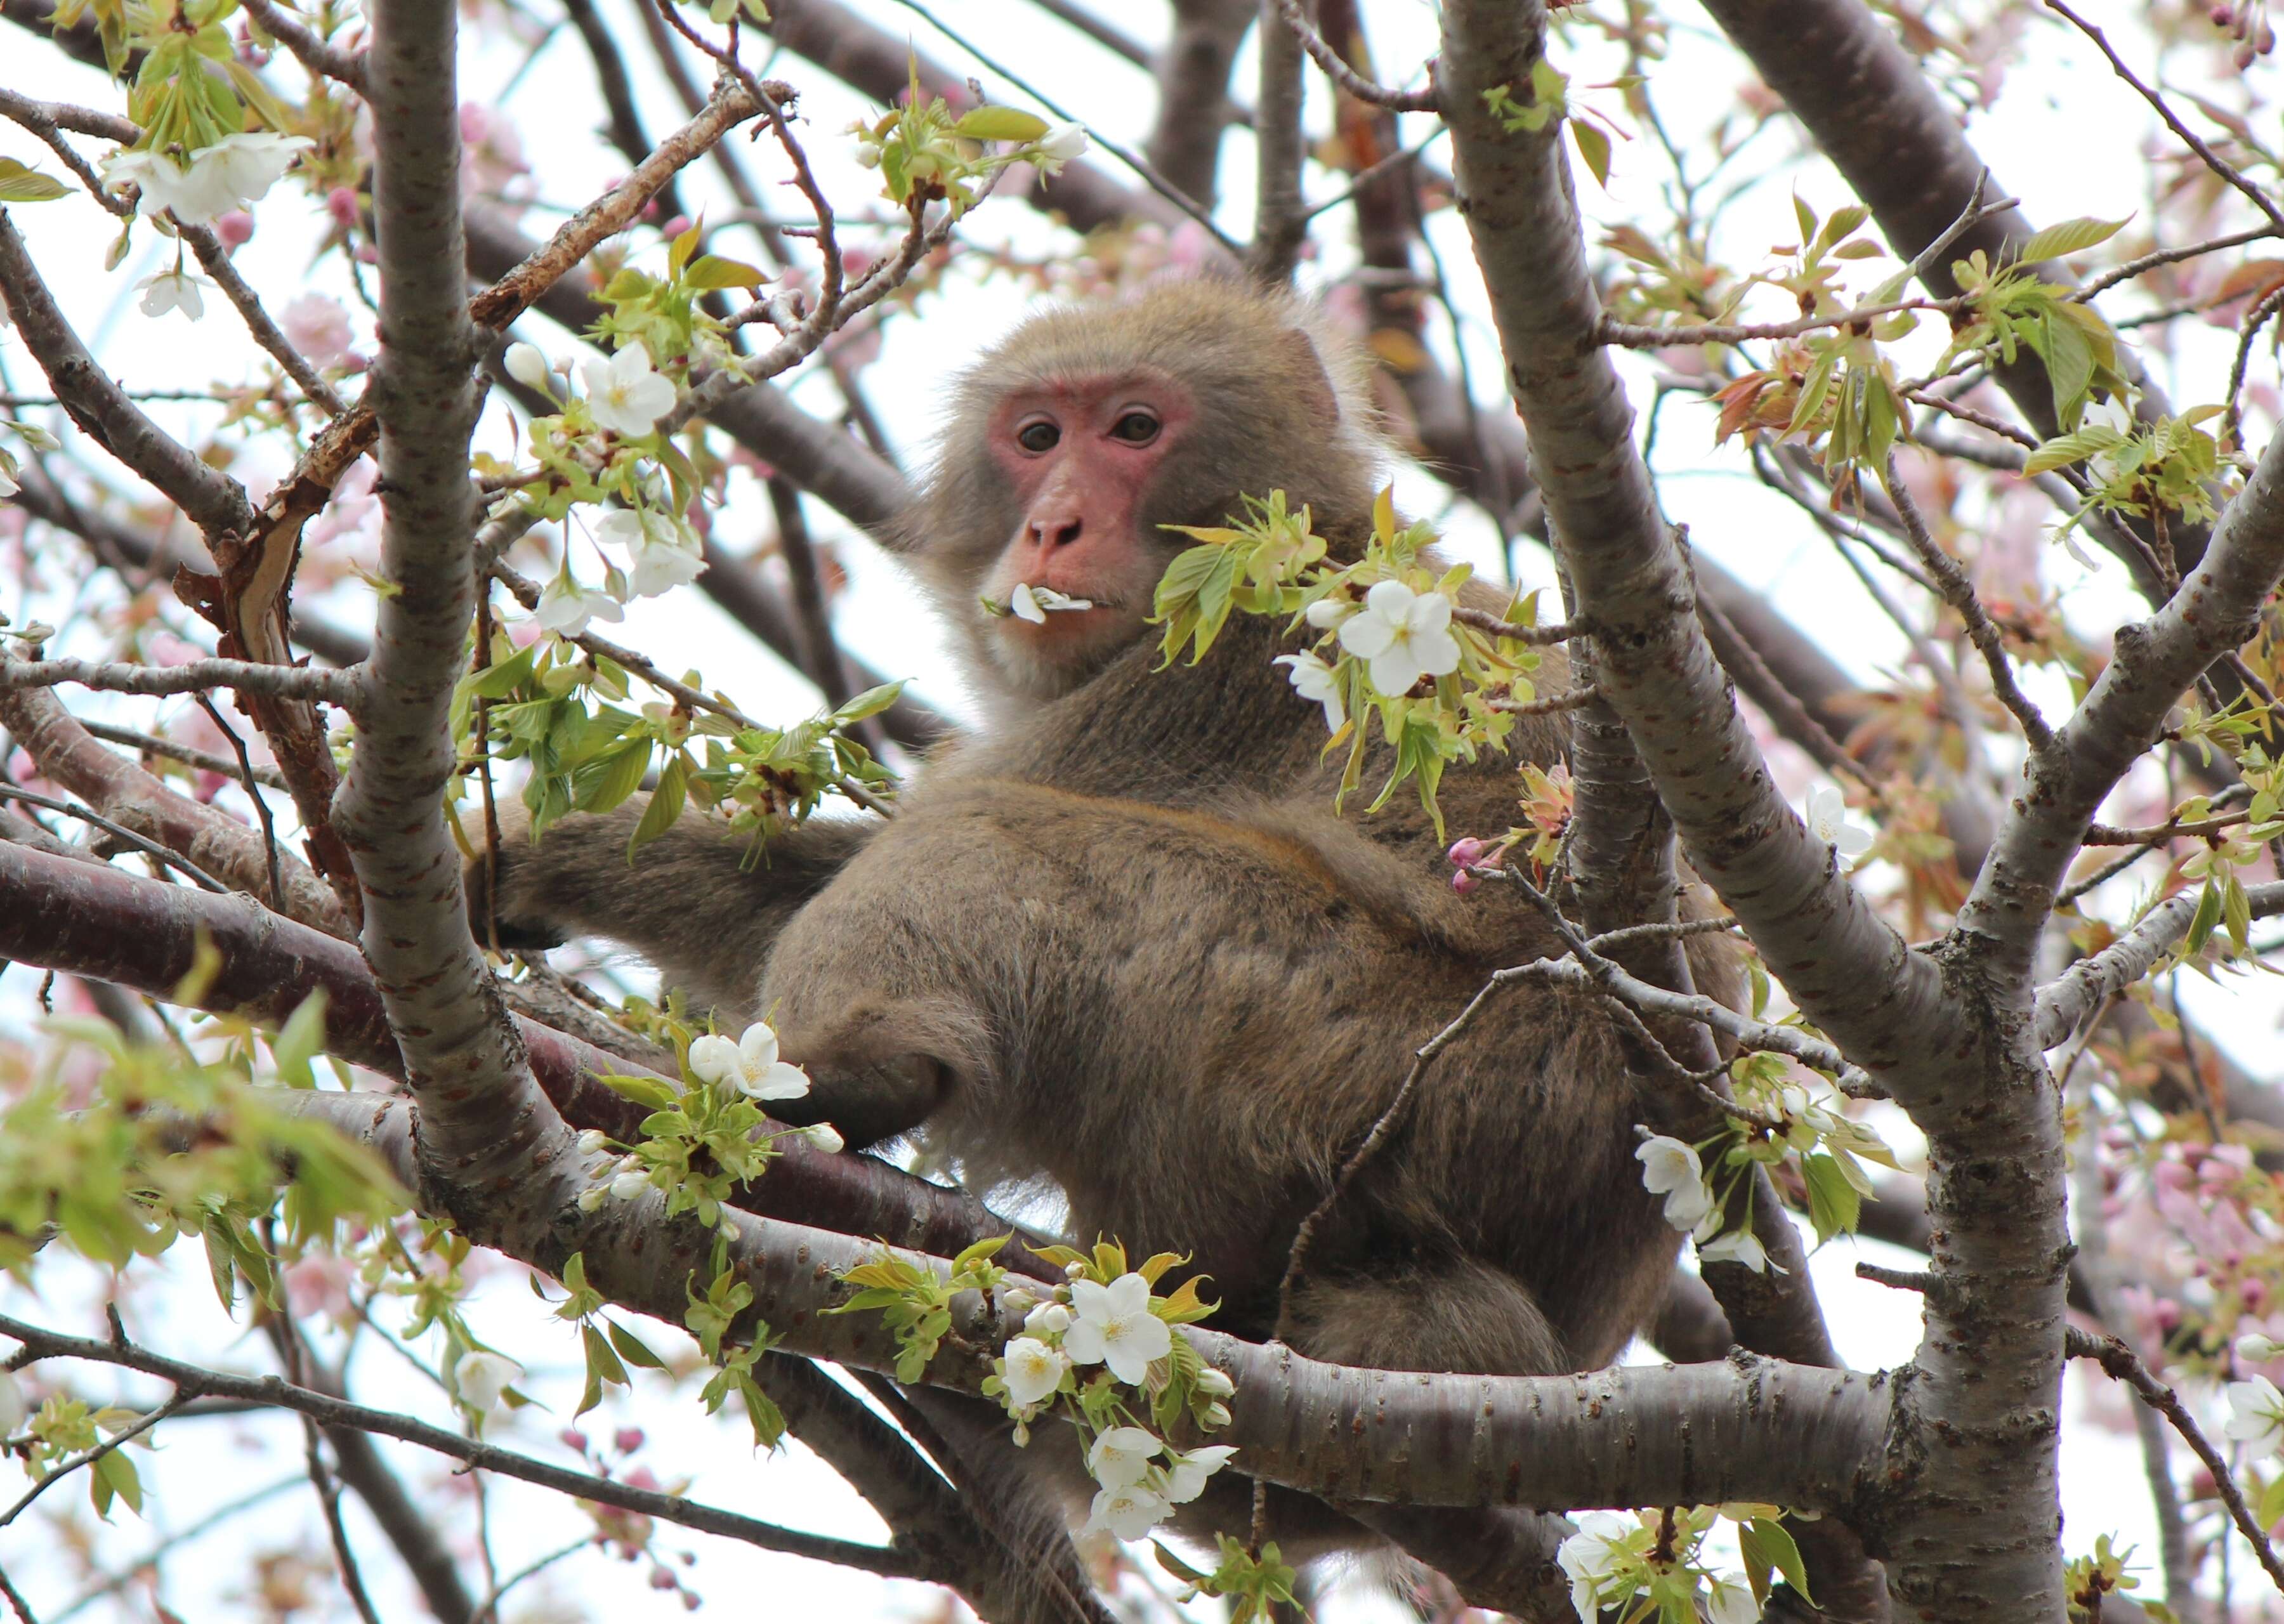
2271,1502
1593,150
712,271
666,804
650,1091
2069,236
2201,925
2064,450
300,1040
21,183
871,702
1000,124
1834,1204
1767,1544
604,782
632,1349
116,1474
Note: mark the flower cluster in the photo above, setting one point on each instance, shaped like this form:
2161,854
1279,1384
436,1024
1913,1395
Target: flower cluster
1613,1560
1780,1119
703,1139
1101,1332
1386,642
200,187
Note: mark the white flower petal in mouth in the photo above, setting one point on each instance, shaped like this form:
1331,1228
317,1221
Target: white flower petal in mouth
1035,604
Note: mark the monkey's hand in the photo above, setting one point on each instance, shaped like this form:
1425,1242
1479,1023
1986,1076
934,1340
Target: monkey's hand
506,909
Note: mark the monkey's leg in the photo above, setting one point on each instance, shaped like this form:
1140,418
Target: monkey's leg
689,901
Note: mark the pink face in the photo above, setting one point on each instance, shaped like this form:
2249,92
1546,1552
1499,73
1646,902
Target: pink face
1082,455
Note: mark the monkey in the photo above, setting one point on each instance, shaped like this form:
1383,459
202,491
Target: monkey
1118,942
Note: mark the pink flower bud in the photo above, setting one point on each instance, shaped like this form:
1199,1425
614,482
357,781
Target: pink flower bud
2222,16
1468,852
2169,1313
572,1438
342,204
1463,882
236,229
677,226
2254,1292
627,1440
662,1580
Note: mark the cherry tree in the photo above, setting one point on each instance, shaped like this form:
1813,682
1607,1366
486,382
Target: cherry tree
343,414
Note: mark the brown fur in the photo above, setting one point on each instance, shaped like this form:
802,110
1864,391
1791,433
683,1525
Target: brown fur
1121,943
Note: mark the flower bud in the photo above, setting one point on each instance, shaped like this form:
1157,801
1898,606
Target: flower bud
1216,1415
591,1198
528,366
1463,882
235,228
868,154
1213,1384
593,1142
1469,852
1075,1269
825,1137
627,1440
627,1186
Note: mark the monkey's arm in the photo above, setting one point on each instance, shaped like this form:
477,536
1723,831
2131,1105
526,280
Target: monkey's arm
688,901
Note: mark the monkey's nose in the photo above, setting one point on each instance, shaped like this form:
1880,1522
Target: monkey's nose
1047,537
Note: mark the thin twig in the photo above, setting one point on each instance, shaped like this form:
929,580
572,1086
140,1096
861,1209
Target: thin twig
9,792
2122,1363
1959,593
254,795
24,1614
190,1380
40,118
88,1457
2254,318
206,760
1568,699
489,1607
319,55
1536,636
2151,262
1367,1148
216,259
1149,172
2212,160
1342,75
150,1558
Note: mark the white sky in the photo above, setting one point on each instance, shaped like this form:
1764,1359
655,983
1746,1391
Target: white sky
2059,134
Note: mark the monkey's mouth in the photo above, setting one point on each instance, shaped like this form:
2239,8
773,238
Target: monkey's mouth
1034,604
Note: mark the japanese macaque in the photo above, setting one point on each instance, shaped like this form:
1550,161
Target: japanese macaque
1118,941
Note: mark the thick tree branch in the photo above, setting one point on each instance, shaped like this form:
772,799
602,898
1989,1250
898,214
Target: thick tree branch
2068,1001
191,677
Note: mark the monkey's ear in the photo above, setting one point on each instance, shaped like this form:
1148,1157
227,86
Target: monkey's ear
1312,383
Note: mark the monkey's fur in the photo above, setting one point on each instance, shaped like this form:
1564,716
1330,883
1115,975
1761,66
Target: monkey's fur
1121,943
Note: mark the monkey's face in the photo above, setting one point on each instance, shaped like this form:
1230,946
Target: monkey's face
1083,458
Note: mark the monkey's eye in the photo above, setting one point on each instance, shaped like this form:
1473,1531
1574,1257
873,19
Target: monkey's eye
1136,428
1038,437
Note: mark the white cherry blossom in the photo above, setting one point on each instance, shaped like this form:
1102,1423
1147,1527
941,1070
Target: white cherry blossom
625,394
1403,635
481,1378
1185,1479
1589,1557
234,172
174,290
1671,1169
1113,1325
1122,1455
662,553
1034,1370
1129,1513
2255,1414
1035,604
1736,1246
1729,1600
1062,143
1313,680
1826,814
565,607
750,1064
